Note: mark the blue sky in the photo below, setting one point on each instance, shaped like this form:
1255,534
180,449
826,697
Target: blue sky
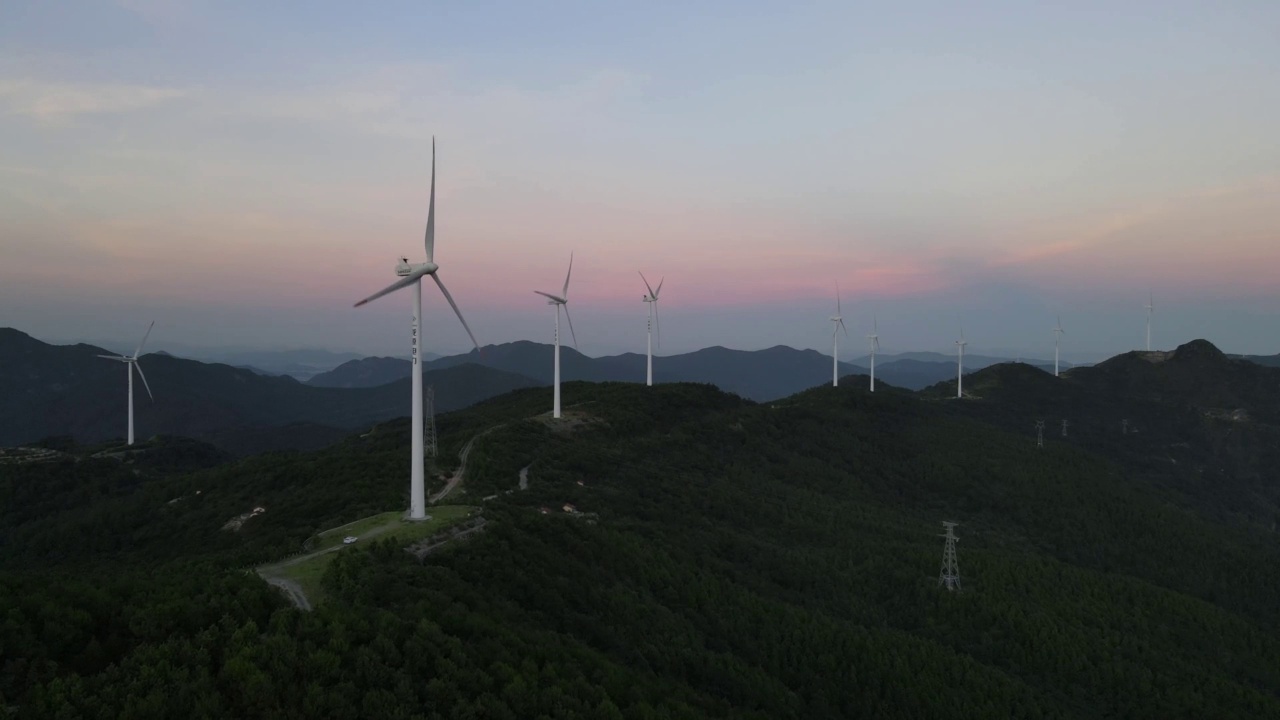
242,172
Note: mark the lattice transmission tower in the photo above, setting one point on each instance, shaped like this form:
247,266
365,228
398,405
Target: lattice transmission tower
429,447
1039,433
1064,427
950,575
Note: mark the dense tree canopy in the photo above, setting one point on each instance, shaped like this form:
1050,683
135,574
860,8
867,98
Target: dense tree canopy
726,559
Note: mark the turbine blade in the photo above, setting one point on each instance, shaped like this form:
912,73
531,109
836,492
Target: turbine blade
843,328
144,339
659,290
456,311
646,285
838,300
431,207
875,324
121,358
138,367
405,282
550,296
565,293
571,332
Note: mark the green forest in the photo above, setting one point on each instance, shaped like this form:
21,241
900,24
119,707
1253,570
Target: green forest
724,559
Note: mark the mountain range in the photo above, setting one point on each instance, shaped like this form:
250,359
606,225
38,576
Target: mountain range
50,390
760,375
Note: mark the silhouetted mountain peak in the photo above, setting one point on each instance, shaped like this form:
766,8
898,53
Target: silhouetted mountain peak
1198,351
13,335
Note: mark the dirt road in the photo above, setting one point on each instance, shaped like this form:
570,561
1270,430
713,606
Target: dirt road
462,467
292,589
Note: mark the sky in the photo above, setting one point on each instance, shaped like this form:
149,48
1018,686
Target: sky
243,172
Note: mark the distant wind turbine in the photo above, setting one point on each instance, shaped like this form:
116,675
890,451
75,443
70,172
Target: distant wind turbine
837,325
412,274
131,364
960,364
1151,306
1057,335
874,338
561,300
654,324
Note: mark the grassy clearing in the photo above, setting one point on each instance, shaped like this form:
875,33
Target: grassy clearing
393,525
332,537
307,574
389,525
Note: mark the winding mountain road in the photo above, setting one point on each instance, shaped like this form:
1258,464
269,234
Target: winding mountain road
462,466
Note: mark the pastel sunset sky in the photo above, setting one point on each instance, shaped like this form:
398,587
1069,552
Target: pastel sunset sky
243,172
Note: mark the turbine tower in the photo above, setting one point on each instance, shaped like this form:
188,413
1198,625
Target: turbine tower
1151,306
131,364
432,447
874,339
561,300
836,326
1057,335
654,324
950,575
960,364
412,274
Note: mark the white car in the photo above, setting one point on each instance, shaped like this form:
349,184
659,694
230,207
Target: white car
349,539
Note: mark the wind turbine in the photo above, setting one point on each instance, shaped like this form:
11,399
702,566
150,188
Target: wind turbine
652,299
874,338
960,364
412,274
561,300
1150,308
1057,335
837,325
131,363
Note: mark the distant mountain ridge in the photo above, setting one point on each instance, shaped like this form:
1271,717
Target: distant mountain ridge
760,375
49,390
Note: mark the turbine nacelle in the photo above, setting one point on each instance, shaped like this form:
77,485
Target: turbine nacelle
404,268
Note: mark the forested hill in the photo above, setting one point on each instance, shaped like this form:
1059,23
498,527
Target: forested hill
722,559
49,390
1192,419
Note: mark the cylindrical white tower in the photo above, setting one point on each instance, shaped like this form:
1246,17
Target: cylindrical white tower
417,484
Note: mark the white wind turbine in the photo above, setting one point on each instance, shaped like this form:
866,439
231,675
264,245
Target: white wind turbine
837,324
560,300
1151,306
960,364
874,339
411,274
131,364
654,323
1057,336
